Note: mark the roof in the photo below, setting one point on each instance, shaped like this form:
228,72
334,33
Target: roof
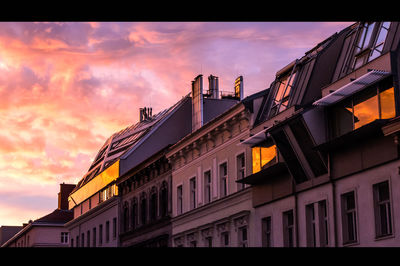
57,216
124,141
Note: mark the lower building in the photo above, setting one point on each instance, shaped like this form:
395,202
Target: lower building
49,230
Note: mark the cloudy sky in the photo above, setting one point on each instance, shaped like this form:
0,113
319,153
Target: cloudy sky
66,87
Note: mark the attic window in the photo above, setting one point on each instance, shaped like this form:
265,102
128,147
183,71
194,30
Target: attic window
281,99
370,42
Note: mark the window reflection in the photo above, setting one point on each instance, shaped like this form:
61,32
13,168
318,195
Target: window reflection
387,103
262,156
365,109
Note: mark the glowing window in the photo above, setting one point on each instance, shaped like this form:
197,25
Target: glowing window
262,156
378,102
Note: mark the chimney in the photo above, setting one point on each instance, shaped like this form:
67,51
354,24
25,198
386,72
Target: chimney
65,190
239,88
141,114
197,103
145,113
213,86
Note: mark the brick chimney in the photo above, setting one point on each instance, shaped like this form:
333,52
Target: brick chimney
65,190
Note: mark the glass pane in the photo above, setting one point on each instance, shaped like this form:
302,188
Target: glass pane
365,108
383,191
267,154
256,159
382,36
359,61
388,109
368,35
280,92
342,119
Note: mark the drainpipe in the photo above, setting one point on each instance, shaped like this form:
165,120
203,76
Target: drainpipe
296,222
333,201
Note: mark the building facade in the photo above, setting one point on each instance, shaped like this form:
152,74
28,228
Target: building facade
49,230
209,209
332,178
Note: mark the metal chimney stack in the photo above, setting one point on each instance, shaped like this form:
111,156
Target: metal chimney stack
213,86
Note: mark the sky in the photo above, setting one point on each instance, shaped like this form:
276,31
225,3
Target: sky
66,87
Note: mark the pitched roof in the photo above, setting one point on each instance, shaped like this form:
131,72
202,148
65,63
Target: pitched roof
57,216
122,142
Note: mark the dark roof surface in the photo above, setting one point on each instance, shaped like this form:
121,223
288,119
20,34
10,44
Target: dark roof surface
57,216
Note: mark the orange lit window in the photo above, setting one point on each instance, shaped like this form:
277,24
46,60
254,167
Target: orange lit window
362,109
262,156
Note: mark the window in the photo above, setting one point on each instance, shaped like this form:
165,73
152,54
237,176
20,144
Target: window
88,239
134,213
288,229
310,225
242,236
192,183
64,237
107,231
94,237
72,242
262,156
349,220
100,234
143,208
323,223
240,170
77,241
223,175
83,240
282,94
179,200
153,204
209,241
126,217
370,42
383,216
225,239
207,187
164,199
266,232
114,228
376,102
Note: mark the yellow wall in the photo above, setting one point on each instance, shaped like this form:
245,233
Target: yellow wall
95,185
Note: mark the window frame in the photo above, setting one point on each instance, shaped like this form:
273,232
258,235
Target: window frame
378,88
266,231
377,215
207,186
345,227
224,178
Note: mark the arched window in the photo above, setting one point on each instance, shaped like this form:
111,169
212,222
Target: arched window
126,216
164,199
153,204
134,212
143,208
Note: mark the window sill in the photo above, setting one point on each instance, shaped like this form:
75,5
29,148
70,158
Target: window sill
350,244
379,238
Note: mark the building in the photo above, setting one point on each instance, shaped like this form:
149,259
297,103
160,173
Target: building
146,188
49,230
6,232
335,154
208,207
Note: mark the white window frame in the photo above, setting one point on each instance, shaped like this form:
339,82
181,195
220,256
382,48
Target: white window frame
220,177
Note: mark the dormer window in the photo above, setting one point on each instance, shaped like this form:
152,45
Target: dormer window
281,99
375,102
370,42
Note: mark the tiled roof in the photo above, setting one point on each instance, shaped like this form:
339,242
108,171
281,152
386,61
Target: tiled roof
57,216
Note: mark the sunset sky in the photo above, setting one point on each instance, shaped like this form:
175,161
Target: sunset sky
66,87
